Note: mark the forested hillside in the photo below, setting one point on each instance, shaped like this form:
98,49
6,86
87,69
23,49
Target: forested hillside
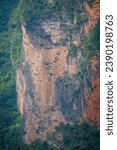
60,39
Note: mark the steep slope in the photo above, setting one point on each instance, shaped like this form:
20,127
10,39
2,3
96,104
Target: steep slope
10,125
59,79
92,95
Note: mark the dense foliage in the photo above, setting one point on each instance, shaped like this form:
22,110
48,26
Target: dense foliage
80,137
10,119
28,10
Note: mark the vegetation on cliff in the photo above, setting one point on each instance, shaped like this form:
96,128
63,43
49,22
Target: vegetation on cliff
79,137
13,13
88,46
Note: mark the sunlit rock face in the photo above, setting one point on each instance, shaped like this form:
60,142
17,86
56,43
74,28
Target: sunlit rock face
47,83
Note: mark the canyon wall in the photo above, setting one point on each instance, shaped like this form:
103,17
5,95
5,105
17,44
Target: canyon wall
49,90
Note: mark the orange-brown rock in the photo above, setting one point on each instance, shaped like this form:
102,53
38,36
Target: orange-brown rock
92,95
45,66
47,84
93,14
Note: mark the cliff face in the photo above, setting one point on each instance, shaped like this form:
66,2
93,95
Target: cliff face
47,84
92,95
93,13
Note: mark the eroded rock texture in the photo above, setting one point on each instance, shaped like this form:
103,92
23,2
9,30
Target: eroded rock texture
47,83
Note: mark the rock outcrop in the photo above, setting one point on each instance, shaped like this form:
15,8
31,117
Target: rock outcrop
47,84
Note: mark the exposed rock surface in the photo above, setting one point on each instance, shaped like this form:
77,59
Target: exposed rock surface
47,83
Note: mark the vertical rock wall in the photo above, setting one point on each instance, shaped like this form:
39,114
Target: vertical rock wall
47,83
